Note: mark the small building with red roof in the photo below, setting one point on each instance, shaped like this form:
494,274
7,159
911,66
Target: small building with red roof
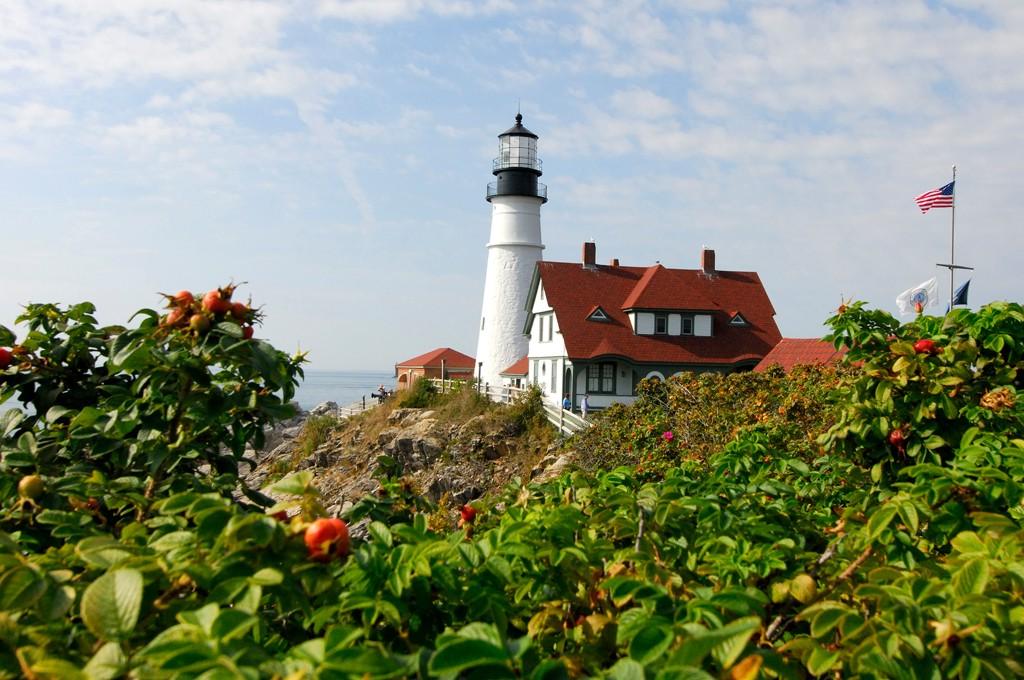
600,329
792,352
443,362
517,374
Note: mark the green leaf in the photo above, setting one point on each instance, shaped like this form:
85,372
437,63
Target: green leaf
968,543
56,602
463,654
296,484
550,669
380,533
20,587
229,328
57,668
267,577
650,643
110,605
101,552
626,669
683,673
908,513
232,623
362,662
107,663
880,520
826,620
821,661
56,412
734,637
133,356
971,578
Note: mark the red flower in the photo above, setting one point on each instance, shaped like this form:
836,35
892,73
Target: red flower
667,435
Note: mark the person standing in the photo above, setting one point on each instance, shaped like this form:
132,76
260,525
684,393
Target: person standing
584,406
567,403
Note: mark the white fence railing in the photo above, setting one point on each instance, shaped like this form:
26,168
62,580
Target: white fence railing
566,422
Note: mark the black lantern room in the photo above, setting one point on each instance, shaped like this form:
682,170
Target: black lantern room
517,166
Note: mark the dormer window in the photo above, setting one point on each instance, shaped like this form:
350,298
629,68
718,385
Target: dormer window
738,320
673,324
597,315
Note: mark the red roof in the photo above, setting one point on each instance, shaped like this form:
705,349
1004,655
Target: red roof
452,360
521,367
792,352
573,291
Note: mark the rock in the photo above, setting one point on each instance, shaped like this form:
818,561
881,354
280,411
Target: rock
387,436
473,426
431,448
555,469
459,491
326,408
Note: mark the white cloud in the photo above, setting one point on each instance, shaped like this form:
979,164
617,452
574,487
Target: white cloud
94,44
386,11
643,103
30,116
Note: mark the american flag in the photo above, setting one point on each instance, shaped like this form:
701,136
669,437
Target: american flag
936,198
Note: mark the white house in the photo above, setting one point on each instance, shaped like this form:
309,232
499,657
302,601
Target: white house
599,329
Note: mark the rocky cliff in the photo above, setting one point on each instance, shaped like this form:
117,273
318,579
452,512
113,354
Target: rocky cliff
448,458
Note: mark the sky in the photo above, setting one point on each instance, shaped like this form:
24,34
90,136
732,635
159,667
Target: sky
334,154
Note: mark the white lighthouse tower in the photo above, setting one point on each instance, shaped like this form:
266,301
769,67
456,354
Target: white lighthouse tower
512,252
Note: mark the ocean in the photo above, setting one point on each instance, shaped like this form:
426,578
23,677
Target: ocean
343,387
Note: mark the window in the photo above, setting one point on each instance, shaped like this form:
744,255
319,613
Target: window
601,378
687,325
598,315
660,324
551,327
554,376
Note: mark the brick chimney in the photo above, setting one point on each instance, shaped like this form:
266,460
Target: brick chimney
589,255
707,261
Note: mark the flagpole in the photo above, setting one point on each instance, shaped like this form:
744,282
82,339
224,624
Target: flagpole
952,241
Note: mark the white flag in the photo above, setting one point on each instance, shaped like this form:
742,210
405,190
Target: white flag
924,294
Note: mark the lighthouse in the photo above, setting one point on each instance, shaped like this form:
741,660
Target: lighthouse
513,251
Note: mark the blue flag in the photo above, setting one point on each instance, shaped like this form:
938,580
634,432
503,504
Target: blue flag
960,296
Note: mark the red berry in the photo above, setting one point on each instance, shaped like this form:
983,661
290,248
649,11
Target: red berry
897,438
5,358
240,311
925,346
183,298
215,302
326,538
468,513
174,317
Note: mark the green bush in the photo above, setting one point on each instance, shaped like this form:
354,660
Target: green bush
694,415
419,395
763,556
